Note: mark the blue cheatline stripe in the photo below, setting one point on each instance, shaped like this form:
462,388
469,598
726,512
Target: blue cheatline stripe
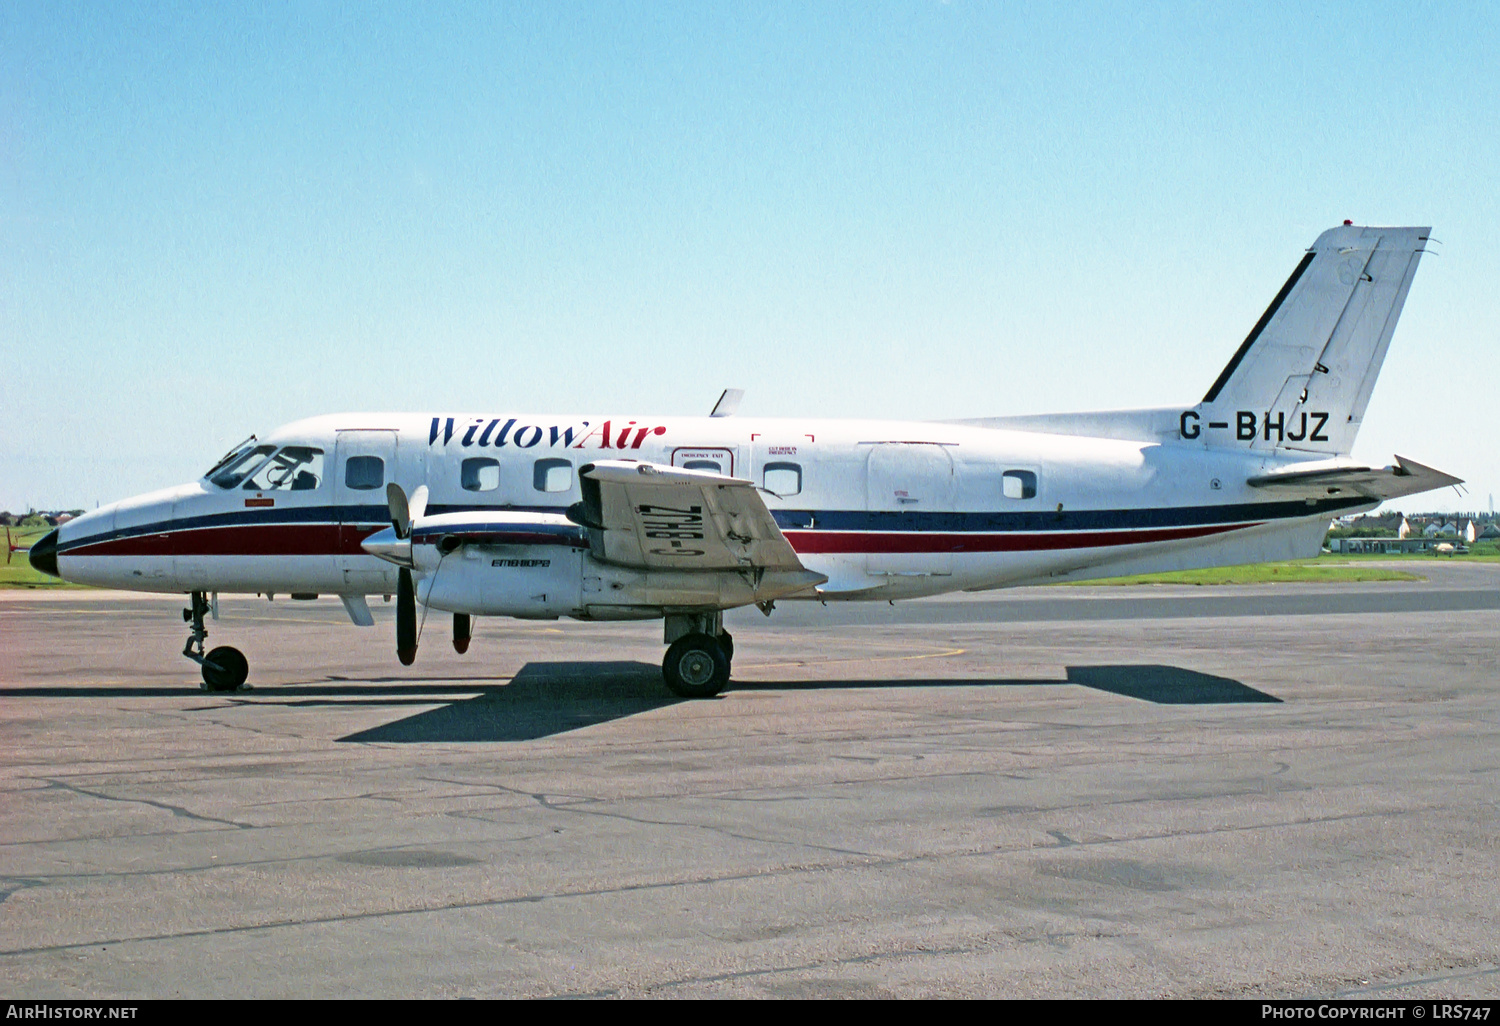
1051,520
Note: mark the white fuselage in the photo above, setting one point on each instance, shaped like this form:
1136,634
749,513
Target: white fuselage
883,509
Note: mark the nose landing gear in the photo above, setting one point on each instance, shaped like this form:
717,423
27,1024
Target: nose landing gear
224,668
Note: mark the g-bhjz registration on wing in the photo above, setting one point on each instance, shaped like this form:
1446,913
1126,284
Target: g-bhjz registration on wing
678,519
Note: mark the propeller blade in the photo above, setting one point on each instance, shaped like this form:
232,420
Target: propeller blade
406,616
400,511
9,548
418,505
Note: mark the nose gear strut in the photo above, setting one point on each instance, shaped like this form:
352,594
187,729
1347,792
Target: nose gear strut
224,668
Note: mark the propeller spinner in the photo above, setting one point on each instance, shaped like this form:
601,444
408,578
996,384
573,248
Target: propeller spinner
394,545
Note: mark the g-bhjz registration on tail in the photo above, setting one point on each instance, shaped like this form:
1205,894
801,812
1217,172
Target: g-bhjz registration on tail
621,518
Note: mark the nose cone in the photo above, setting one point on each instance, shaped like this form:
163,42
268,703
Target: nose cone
43,554
387,546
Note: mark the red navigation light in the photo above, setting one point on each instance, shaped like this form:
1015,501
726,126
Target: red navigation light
1347,221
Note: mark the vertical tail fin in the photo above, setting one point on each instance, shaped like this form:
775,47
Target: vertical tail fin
1302,378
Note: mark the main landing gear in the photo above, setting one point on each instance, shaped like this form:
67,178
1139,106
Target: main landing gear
224,668
699,654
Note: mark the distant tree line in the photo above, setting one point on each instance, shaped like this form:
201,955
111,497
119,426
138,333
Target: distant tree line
35,518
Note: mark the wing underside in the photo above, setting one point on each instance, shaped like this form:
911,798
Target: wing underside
667,518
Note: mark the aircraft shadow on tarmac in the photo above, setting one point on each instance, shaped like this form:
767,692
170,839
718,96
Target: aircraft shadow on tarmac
541,700
552,698
1164,685
545,699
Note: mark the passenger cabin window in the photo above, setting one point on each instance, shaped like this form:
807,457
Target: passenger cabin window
364,473
296,468
552,475
1018,484
238,467
783,479
480,474
713,465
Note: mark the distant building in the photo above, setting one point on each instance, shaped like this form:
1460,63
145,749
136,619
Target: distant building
1386,546
1372,524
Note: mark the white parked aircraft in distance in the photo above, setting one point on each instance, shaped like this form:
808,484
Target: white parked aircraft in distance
609,517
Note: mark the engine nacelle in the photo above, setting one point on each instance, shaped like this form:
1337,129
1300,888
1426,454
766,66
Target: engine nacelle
548,581
540,566
539,582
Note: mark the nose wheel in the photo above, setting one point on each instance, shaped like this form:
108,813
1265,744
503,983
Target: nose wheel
224,668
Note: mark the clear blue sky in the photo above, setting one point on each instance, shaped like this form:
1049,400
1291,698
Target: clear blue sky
218,218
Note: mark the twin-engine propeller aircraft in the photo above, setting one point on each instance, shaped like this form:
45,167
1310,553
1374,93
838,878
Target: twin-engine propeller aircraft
679,519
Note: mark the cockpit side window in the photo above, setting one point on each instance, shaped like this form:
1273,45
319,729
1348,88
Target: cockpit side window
296,468
236,468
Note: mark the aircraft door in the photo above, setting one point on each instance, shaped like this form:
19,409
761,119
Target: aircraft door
912,479
364,463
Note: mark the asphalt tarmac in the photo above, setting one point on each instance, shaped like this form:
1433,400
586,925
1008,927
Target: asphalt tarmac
1270,791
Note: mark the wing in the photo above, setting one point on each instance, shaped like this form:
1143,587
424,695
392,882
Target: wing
1321,481
667,518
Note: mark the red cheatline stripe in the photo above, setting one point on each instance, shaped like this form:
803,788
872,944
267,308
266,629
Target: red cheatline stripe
244,540
934,542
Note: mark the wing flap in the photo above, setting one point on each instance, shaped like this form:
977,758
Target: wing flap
1320,481
670,518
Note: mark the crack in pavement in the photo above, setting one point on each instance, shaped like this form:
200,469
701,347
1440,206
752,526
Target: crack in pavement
176,810
11,884
1381,988
580,808
978,943
684,981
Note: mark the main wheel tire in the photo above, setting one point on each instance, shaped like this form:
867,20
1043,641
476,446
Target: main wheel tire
726,642
225,669
696,667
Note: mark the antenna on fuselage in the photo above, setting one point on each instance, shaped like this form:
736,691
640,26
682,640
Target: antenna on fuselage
729,403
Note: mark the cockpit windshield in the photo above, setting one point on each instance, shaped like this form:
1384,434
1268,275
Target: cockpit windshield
292,468
230,456
235,467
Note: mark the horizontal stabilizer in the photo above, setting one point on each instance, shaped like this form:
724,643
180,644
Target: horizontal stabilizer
1323,480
